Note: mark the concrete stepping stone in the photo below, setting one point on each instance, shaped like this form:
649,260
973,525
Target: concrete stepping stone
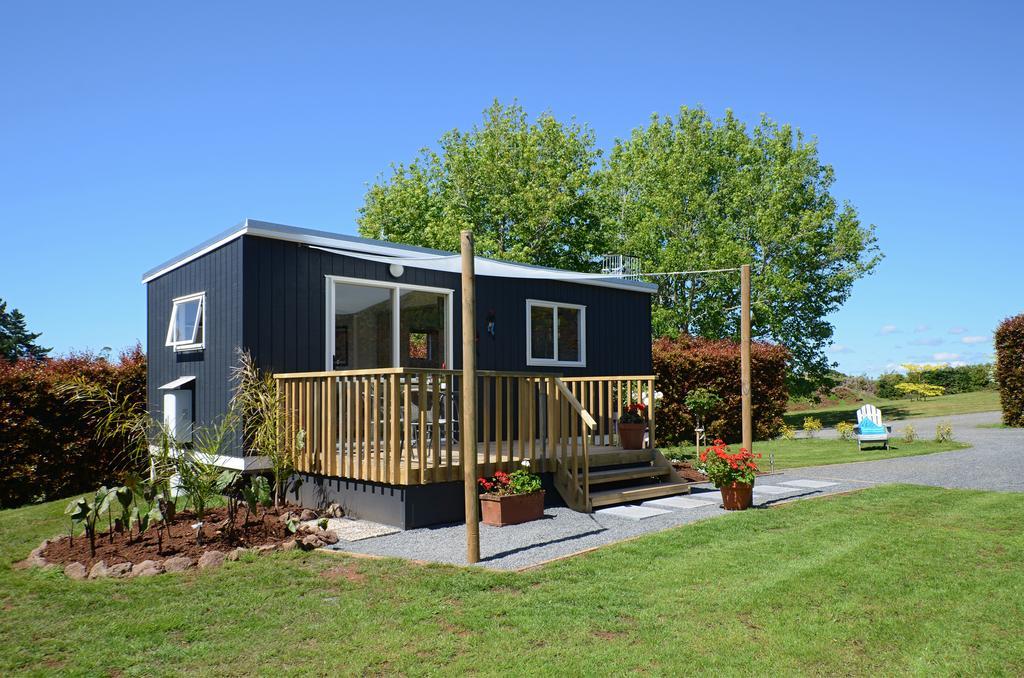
809,484
772,489
679,502
632,512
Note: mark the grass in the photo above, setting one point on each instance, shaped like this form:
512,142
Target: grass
853,584
960,403
822,451
997,425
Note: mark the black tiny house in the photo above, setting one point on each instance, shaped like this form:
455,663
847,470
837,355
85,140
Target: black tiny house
301,300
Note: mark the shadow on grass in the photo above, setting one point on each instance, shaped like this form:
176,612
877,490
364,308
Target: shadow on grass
831,418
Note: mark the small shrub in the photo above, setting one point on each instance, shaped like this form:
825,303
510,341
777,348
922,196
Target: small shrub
787,432
919,391
887,385
1009,340
943,432
845,430
909,434
812,425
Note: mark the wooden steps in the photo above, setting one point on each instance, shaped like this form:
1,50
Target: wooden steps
641,493
624,476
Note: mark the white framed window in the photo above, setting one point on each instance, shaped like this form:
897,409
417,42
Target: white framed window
556,333
375,323
186,331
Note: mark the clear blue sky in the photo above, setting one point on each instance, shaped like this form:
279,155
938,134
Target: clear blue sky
129,133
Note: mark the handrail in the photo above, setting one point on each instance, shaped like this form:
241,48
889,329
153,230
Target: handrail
588,419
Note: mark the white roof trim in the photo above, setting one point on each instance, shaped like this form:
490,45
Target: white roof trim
177,383
365,248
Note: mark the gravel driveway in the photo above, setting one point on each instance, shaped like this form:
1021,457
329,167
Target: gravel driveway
995,462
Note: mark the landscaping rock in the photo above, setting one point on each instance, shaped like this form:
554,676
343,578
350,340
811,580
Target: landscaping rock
334,511
235,554
211,559
286,516
119,570
178,564
288,545
147,568
265,548
307,514
98,570
329,536
75,571
312,541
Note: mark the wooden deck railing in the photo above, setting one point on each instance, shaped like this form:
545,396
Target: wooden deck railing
605,397
400,426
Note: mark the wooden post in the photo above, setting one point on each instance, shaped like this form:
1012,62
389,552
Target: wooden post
748,427
468,434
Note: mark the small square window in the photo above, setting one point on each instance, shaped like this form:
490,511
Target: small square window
555,334
185,331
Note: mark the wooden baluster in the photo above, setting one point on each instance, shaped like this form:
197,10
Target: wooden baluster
485,384
510,430
435,440
407,430
367,431
394,461
449,427
499,408
650,413
422,439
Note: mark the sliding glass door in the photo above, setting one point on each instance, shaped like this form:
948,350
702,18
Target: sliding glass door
374,325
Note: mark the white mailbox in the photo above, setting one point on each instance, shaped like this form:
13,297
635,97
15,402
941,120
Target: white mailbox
178,414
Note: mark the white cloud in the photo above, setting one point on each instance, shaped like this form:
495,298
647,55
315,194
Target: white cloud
840,348
946,357
974,340
957,330
888,329
921,328
926,342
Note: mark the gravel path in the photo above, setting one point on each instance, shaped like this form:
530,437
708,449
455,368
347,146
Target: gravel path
996,462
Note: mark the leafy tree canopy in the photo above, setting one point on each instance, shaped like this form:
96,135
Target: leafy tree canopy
15,340
691,193
683,193
524,188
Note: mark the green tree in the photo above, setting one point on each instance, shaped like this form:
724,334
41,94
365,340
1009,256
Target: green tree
694,193
15,339
524,188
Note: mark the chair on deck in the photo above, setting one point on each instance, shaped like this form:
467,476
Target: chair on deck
870,428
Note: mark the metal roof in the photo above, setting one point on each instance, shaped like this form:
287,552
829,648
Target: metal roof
355,245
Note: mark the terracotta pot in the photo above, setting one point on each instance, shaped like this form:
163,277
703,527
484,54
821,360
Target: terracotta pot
511,509
632,435
737,496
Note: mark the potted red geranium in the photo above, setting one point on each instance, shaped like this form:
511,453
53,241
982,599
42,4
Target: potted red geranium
511,498
632,424
733,474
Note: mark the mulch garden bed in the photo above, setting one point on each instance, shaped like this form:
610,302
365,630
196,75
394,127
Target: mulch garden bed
180,540
688,473
176,548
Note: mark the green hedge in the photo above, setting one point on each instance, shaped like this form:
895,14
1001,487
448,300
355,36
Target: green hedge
1010,369
47,446
962,379
684,364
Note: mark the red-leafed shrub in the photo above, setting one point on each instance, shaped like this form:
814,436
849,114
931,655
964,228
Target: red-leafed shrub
48,447
687,363
1010,369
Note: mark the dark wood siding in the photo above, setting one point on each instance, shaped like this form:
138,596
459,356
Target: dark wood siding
219,275
285,312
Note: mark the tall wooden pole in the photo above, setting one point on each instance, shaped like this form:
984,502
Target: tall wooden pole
467,443
748,425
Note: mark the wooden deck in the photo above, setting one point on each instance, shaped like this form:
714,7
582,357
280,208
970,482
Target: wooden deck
400,426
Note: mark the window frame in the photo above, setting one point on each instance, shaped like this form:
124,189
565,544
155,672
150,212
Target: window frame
191,344
396,289
555,305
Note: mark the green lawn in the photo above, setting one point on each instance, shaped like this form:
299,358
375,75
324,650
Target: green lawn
853,584
821,451
961,403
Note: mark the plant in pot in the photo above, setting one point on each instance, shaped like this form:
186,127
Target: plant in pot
733,474
701,402
511,498
632,424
